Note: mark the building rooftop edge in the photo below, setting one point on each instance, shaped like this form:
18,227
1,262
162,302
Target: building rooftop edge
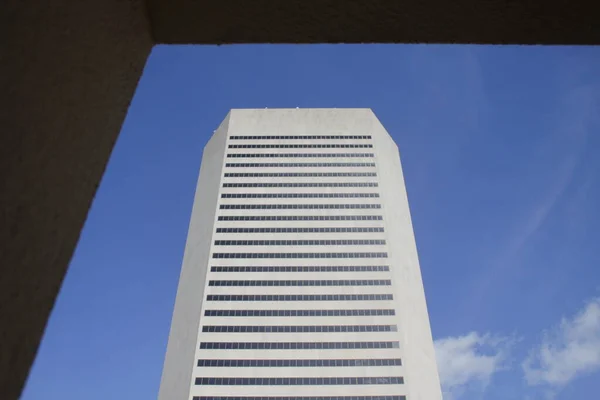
302,108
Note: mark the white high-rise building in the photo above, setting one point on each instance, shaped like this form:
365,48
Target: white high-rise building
300,279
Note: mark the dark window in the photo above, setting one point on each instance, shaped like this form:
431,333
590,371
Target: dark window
301,218
306,363
300,328
340,282
297,174
381,397
300,255
297,165
296,345
301,268
300,146
384,380
297,206
300,184
345,242
300,137
296,313
297,195
293,155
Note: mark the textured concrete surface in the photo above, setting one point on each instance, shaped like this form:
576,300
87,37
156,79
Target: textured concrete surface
177,371
68,70
410,293
360,21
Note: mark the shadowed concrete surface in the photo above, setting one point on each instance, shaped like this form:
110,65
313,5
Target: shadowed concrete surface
68,70
383,21
67,75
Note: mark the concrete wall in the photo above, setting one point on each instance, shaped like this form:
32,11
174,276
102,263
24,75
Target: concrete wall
69,68
380,21
410,300
410,322
68,71
183,336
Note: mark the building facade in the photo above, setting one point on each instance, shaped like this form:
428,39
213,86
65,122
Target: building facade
300,278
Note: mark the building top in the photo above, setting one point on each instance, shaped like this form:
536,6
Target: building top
301,121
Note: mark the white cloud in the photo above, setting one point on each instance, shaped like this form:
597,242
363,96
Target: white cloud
571,350
469,362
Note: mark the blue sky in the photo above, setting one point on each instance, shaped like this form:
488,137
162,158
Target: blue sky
500,153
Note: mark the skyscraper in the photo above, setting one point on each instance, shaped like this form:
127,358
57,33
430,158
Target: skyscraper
300,278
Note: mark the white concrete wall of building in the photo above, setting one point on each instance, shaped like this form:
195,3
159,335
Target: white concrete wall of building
421,367
415,349
183,337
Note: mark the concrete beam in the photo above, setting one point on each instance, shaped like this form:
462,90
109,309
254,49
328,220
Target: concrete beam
380,21
68,71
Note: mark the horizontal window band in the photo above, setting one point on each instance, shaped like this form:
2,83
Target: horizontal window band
402,397
299,137
297,165
300,155
298,206
300,218
369,362
324,242
299,297
292,381
349,229
300,184
297,345
336,282
297,328
300,255
301,146
298,195
298,174
297,313
300,268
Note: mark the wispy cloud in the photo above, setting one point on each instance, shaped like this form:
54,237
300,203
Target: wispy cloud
572,349
579,111
468,362
565,149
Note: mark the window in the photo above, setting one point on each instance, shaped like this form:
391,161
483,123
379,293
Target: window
301,184
342,282
299,137
301,268
391,380
381,397
294,155
300,146
297,195
297,345
300,218
297,313
300,363
327,242
297,174
299,297
298,206
297,329
300,255
296,165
